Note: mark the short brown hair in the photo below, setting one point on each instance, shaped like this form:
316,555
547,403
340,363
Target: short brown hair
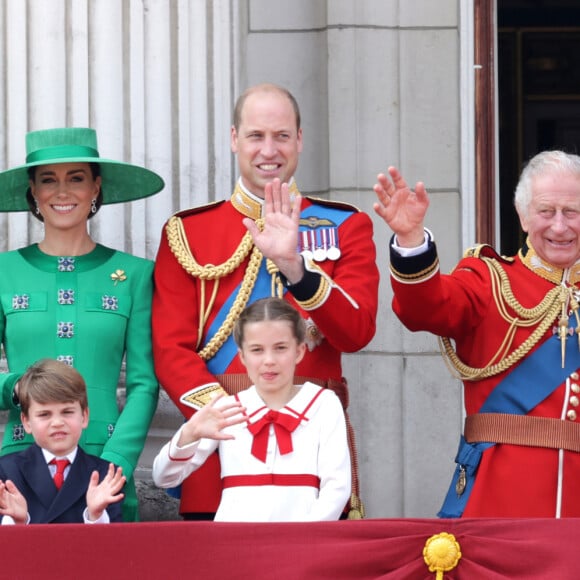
270,309
266,88
51,381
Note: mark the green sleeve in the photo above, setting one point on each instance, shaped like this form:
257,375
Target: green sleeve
7,380
7,383
142,389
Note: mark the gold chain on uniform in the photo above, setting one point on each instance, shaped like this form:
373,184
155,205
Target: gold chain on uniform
180,247
543,316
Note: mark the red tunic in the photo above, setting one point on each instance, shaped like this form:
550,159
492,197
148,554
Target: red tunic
512,480
213,233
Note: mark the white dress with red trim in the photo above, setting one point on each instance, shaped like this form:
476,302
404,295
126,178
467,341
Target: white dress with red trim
287,465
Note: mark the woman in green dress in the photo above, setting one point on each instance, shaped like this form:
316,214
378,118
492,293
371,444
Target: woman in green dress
72,299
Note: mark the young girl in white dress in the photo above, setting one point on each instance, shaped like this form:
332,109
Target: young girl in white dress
283,447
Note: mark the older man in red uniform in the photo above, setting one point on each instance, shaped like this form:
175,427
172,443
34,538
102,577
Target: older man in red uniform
267,240
514,322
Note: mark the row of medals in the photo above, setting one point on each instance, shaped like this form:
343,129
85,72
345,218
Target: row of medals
319,244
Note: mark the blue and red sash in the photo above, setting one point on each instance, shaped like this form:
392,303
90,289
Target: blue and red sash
218,364
526,386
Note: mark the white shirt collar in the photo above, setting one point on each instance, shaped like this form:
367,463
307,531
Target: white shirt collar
48,456
255,197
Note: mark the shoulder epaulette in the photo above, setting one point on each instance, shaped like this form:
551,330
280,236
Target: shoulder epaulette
486,251
198,209
332,203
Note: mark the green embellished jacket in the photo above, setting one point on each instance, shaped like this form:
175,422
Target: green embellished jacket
90,311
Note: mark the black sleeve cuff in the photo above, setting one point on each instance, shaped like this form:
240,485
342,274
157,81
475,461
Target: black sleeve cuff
414,268
306,288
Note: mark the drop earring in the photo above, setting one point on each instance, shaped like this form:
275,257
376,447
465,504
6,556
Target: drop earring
36,208
94,205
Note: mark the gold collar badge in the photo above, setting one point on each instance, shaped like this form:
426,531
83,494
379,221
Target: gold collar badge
250,205
553,274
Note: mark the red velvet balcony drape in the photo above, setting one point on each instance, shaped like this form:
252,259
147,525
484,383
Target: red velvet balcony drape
362,550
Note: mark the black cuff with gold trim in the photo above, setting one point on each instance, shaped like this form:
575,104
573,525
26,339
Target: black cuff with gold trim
306,288
414,269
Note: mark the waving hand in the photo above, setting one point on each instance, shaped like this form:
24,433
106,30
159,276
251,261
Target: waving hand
402,209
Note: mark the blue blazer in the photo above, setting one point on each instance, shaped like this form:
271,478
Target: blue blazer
47,505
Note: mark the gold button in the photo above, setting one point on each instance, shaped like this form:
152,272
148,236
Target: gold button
574,401
575,387
574,376
313,332
571,414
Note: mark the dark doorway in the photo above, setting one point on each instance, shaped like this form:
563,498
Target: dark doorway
538,59
538,91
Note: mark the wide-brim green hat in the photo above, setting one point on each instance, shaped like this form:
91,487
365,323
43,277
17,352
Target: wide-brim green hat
120,181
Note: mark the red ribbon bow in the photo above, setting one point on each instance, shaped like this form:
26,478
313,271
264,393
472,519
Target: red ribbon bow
283,423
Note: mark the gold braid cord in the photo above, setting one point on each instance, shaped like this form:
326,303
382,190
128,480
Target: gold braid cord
542,316
180,247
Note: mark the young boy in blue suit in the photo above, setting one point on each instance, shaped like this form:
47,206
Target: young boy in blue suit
54,407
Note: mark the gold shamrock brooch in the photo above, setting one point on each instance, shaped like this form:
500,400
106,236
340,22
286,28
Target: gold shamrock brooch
118,276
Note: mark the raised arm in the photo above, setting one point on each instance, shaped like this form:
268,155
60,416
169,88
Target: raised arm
343,309
195,440
279,238
211,420
402,209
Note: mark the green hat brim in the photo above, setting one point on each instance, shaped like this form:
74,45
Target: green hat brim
121,182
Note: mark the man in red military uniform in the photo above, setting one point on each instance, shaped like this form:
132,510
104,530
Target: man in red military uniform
514,322
267,240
